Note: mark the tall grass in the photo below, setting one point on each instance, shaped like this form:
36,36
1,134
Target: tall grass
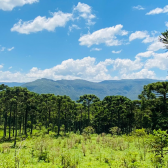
79,151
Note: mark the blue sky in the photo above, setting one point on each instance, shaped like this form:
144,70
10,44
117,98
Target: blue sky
91,40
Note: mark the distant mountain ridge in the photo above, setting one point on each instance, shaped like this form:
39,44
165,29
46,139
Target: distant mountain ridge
130,88
11,84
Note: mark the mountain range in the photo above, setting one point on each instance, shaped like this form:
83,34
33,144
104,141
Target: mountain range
130,88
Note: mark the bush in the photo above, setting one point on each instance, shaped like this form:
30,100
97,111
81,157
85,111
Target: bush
88,130
140,132
44,156
158,142
115,130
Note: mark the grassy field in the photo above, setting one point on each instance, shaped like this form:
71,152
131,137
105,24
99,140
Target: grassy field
79,151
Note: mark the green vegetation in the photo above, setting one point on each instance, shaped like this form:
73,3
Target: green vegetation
45,130
130,88
87,150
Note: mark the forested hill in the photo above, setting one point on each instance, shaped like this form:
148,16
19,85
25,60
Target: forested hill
130,88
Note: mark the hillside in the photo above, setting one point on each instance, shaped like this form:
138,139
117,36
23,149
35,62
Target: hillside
130,88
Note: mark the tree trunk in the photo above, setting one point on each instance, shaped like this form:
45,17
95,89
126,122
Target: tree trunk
5,122
59,124
23,129
49,121
10,121
25,124
14,122
88,114
81,122
31,125
20,126
15,127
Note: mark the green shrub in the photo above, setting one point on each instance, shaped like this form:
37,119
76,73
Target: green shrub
115,130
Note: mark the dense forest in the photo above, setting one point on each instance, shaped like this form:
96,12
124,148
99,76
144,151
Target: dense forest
23,111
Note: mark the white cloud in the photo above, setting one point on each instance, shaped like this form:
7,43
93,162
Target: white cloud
7,76
10,67
145,54
149,39
138,35
8,5
139,7
116,52
73,27
144,73
89,69
83,8
10,49
154,40
156,45
158,61
106,35
85,68
126,65
2,48
144,35
85,11
158,11
166,24
96,49
58,19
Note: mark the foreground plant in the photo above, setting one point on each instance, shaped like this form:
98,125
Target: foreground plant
159,143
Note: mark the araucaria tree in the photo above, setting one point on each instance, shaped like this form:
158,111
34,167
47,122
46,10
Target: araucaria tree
22,111
164,38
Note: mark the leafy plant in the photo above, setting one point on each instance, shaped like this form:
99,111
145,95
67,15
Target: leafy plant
158,143
115,130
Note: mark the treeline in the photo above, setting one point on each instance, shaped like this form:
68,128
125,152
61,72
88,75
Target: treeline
22,111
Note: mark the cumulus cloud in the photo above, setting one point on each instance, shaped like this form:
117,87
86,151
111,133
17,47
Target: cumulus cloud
159,60
96,49
8,5
10,49
138,35
89,69
106,35
138,7
58,19
85,68
145,54
7,76
144,73
156,45
166,24
126,65
158,11
1,66
147,38
73,26
116,52
85,11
